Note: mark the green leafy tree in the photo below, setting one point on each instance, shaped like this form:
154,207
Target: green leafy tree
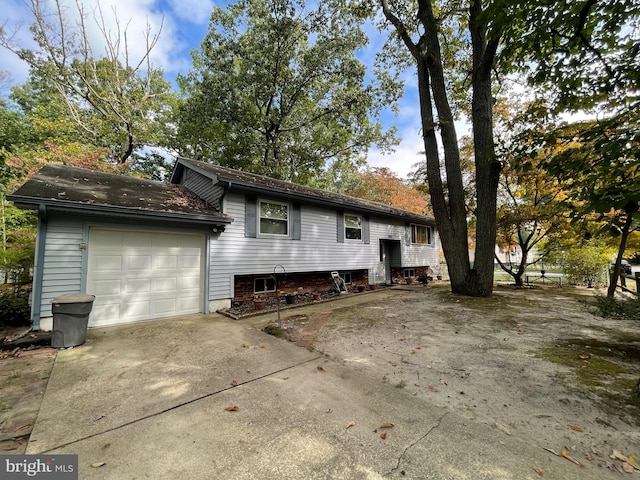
277,89
585,57
587,263
114,101
532,215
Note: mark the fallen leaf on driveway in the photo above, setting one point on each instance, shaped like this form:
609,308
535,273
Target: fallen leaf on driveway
538,471
97,464
433,389
617,455
584,357
321,370
634,461
234,383
234,408
565,454
23,427
503,428
443,382
575,427
387,425
351,424
627,468
383,435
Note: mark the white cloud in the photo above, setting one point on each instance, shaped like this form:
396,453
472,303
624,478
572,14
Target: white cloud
194,11
401,161
171,52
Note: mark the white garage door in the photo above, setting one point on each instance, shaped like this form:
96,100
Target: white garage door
138,275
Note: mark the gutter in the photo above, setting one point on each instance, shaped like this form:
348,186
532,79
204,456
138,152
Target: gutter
122,212
38,264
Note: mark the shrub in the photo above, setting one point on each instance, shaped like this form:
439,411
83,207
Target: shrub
587,263
14,308
608,307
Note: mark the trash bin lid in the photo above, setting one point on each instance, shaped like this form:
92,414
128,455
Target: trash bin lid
74,298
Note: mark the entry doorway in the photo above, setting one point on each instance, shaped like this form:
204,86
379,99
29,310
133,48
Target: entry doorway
390,256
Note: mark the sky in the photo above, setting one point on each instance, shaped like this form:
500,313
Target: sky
182,25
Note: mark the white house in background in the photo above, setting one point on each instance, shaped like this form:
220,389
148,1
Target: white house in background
209,237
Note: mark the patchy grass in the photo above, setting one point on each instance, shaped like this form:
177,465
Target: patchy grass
616,308
607,369
275,330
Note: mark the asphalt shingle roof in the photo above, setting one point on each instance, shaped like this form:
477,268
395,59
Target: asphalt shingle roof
65,186
251,180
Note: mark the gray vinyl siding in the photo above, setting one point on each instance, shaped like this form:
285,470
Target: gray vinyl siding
203,187
318,249
62,267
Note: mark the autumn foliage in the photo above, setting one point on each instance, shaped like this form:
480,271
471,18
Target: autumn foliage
382,185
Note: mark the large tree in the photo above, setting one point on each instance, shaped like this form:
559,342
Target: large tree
585,56
277,89
116,101
425,30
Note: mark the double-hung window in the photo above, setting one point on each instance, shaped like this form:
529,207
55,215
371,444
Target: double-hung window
420,234
274,218
353,227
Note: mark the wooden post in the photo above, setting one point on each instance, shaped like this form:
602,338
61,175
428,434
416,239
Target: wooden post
637,274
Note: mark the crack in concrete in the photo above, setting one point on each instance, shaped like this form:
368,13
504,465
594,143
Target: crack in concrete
410,446
179,405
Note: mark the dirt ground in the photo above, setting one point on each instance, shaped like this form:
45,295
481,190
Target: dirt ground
23,379
534,363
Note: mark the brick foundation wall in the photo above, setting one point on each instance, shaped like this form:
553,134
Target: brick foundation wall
397,274
295,283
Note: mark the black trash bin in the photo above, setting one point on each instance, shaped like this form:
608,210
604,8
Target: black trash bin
70,318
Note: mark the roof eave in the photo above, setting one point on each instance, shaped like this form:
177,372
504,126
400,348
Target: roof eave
266,190
122,212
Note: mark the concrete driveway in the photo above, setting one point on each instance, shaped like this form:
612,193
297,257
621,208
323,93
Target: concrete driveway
150,401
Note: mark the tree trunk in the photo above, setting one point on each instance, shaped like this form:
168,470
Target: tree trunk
623,244
451,217
450,210
487,166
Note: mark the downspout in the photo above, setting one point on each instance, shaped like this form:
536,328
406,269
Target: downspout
36,294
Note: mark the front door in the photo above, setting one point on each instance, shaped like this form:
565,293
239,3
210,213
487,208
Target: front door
384,267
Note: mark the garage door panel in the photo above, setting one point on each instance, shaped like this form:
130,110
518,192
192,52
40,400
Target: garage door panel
140,275
139,262
165,262
109,239
138,285
165,306
189,283
101,314
107,287
189,261
108,263
137,239
168,284
188,303
136,309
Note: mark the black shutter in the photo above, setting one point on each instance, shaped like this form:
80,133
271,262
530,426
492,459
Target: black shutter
365,229
296,222
250,216
340,227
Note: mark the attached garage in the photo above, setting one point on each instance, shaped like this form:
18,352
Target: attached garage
140,275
